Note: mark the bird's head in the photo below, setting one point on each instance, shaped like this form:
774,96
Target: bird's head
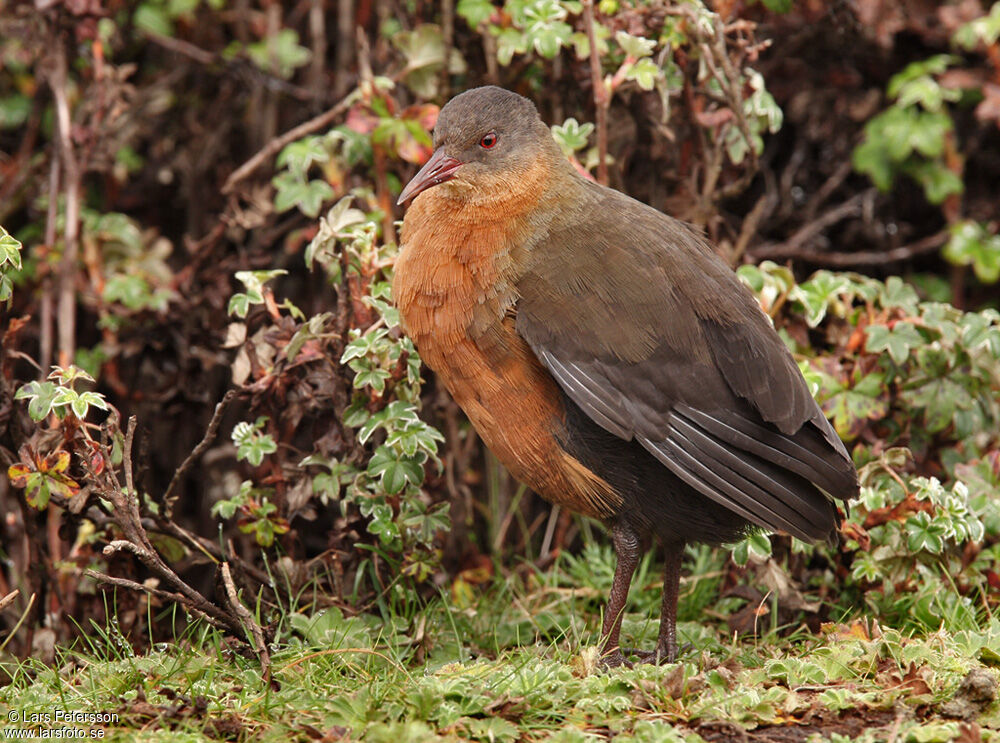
484,138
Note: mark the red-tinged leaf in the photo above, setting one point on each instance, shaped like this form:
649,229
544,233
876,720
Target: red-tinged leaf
18,474
850,530
412,151
37,493
57,461
993,579
989,108
95,459
360,120
63,485
961,78
993,458
426,115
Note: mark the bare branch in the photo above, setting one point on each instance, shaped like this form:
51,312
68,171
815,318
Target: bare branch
253,631
792,246
601,98
196,453
863,257
273,147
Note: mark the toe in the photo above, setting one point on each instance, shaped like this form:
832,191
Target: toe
614,659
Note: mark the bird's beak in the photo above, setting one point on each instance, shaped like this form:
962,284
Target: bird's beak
437,170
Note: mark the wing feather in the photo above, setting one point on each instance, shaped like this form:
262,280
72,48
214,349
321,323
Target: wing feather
655,339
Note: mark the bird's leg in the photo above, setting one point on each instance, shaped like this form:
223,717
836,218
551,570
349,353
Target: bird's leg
627,548
666,645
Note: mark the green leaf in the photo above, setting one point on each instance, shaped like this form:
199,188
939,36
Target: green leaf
924,534
225,509
294,191
374,378
940,400
475,12
926,91
938,180
10,250
41,397
635,47
239,304
755,545
897,293
871,159
984,30
917,70
581,42
572,135
14,111
851,409
6,287
252,444
128,289
356,414
645,73
281,54
301,155
548,39
394,471
971,243
510,41
153,18
818,293
424,50
898,341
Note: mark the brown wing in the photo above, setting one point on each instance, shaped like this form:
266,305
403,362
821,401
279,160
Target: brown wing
655,338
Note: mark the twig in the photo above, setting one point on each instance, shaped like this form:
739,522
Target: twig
278,143
71,168
184,48
206,441
125,504
490,54
317,35
550,529
448,34
9,599
51,218
792,245
601,99
158,592
345,45
366,84
253,631
20,621
829,186
765,205
861,258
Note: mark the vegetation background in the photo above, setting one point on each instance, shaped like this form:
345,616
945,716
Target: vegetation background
236,507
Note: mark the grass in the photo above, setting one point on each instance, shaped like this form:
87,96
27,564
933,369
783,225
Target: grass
511,660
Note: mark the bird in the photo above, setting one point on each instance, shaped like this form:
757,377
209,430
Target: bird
607,356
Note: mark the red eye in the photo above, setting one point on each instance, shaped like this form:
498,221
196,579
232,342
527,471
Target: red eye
488,140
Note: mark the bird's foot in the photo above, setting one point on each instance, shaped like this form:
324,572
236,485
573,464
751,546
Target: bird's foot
613,659
659,656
